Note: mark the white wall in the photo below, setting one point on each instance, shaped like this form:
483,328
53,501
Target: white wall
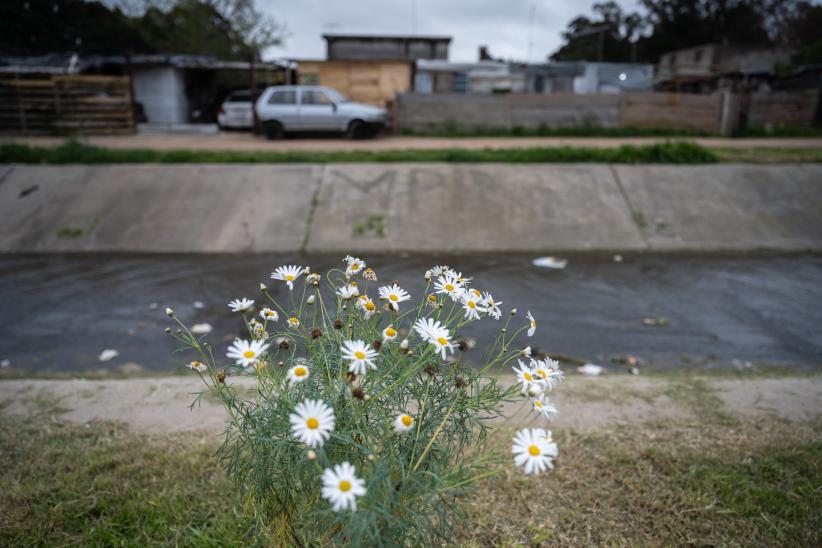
161,90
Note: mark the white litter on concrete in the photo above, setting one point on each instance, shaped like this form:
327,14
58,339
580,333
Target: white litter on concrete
591,370
107,355
550,262
201,328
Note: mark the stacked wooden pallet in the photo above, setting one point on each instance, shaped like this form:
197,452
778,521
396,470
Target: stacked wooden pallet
66,105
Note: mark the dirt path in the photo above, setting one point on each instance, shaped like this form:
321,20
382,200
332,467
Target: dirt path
246,142
161,404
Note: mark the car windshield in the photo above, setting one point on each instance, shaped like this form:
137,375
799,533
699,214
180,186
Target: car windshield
239,97
335,95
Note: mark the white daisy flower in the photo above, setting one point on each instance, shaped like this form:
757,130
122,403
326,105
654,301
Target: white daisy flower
447,284
312,278
312,422
462,280
436,271
293,322
287,274
441,339
491,306
348,291
341,487
394,294
269,315
389,334
241,305
360,356
547,371
245,353
197,366
426,327
526,351
355,265
403,423
533,328
533,450
544,407
259,331
299,373
367,306
471,303
527,377
431,300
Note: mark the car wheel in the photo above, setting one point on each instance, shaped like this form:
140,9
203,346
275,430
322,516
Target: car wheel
357,129
273,130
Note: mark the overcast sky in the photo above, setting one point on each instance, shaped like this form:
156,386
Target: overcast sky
503,25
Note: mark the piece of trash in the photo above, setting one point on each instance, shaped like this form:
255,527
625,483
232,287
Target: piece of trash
28,190
153,306
550,262
5,363
199,305
661,321
632,360
201,328
617,258
107,355
590,370
634,371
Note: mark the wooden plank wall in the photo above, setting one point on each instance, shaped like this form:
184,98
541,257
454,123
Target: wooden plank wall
672,110
66,105
783,108
371,82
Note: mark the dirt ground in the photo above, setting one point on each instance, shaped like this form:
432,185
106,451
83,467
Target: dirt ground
161,404
244,141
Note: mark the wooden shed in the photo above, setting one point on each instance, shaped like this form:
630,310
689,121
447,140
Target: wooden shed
372,82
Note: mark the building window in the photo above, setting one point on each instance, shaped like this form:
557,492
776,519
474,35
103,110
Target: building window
460,83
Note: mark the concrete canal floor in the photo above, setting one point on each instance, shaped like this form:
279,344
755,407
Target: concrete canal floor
58,312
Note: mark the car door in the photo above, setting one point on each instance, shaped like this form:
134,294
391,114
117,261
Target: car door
317,111
282,106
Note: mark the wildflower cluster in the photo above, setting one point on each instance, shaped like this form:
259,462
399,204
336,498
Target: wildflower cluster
363,423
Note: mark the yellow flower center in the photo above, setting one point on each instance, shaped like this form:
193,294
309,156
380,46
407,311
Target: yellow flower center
345,486
538,404
359,355
294,321
442,340
533,450
476,292
312,423
393,297
355,267
289,278
370,306
406,420
249,354
472,304
390,332
300,371
269,313
449,287
432,298
541,373
528,376
533,323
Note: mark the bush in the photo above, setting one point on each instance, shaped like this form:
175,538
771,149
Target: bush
364,424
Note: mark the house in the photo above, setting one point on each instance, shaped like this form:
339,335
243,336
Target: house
614,77
370,47
169,89
712,67
440,76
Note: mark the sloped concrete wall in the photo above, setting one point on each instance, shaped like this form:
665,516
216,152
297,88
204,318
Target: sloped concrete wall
394,208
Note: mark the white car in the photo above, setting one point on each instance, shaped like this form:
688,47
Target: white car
235,112
315,108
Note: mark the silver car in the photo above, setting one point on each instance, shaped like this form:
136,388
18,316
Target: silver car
315,108
235,112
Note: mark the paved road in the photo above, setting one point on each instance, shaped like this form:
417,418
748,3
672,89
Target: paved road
246,142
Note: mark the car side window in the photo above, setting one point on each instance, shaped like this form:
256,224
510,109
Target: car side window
316,97
284,97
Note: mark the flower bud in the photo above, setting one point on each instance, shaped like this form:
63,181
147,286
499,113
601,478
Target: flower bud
367,397
430,369
358,393
376,345
350,377
338,324
316,333
534,391
371,458
167,330
526,351
513,311
221,376
169,312
404,344
459,382
284,344
311,455
281,363
263,287
310,299
462,344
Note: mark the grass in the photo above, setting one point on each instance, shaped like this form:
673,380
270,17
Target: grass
76,153
709,480
768,155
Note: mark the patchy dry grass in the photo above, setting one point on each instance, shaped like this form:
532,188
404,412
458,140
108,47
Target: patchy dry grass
709,479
